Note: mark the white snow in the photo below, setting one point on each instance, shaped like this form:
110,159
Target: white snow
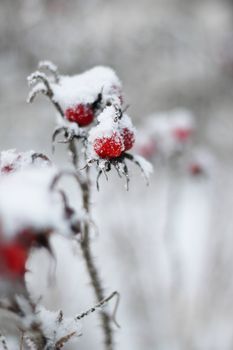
55,330
19,160
48,64
84,88
27,201
106,127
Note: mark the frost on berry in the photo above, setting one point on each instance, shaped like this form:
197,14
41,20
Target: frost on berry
113,135
110,140
105,139
128,138
109,146
81,114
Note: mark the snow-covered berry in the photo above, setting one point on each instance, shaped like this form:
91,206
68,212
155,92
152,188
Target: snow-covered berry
109,147
81,114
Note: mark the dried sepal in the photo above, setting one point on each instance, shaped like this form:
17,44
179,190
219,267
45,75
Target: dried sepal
62,341
40,83
50,67
120,165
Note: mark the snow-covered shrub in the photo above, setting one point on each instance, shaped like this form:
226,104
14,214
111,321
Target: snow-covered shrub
34,206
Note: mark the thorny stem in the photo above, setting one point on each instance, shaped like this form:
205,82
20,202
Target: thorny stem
106,319
101,305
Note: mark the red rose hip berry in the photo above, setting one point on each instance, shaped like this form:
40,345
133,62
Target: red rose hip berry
13,258
109,147
81,114
128,138
182,134
196,169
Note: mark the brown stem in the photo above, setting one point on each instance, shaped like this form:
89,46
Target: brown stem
88,256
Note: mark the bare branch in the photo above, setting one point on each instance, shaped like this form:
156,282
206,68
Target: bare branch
100,305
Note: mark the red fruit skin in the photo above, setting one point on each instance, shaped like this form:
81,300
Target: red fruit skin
7,169
195,169
182,134
13,255
128,138
13,258
81,114
108,147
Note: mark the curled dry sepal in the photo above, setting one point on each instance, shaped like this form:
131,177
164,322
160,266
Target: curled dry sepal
90,109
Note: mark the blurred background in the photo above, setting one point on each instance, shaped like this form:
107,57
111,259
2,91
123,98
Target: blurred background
167,248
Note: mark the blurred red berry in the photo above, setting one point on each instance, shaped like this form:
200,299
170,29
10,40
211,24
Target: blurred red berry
7,169
196,169
148,149
182,134
13,258
81,114
109,147
128,138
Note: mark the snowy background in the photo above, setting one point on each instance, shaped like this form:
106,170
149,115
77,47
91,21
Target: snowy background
166,248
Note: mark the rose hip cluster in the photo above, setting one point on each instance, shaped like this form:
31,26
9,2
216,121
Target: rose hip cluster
90,109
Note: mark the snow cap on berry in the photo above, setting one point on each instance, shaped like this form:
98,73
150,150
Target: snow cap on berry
84,88
26,201
107,130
